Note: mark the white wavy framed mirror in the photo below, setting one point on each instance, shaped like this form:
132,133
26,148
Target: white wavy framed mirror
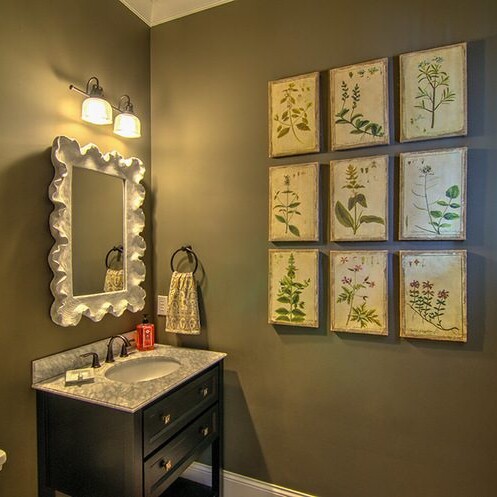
96,223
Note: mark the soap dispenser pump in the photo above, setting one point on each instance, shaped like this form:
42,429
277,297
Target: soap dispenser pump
145,335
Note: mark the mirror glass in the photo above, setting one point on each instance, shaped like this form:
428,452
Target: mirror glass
97,232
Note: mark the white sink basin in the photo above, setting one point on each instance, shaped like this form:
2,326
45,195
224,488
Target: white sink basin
145,369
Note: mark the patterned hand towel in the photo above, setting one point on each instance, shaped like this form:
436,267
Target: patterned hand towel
182,314
114,280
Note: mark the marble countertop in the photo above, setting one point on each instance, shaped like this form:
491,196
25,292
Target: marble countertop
123,396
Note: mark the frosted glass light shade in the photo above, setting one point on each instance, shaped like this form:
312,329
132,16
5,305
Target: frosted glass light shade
127,125
96,110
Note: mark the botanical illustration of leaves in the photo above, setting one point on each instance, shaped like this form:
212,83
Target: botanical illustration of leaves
303,127
372,219
357,199
436,214
452,192
343,215
281,219
283,132
345,296
294,229
451,216
364,316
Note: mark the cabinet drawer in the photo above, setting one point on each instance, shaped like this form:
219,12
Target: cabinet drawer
167,416
161,465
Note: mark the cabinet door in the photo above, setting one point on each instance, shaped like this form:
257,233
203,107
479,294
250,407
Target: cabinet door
91,450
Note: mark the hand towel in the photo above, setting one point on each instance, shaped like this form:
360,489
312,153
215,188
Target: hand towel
114,280
182,314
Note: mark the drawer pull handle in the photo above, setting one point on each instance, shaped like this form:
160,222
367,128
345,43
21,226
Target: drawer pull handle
204,431
166,465
166,419
204,391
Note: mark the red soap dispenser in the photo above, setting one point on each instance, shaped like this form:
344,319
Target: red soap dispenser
145,335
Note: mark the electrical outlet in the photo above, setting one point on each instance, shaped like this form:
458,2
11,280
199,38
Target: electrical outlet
161,305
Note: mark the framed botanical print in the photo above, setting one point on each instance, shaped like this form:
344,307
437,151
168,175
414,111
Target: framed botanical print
433,93
359,105
294,287
293,203
433,295
433,195
294,125
359,291
359,199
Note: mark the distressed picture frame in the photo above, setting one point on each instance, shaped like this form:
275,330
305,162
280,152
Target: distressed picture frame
359,199
359,105
293,114
432,203
433,93
433,295
294,202
293,287
359,291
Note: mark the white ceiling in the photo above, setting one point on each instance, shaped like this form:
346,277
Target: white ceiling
155,12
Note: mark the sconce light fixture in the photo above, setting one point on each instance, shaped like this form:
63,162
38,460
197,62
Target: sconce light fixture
97,110
126,123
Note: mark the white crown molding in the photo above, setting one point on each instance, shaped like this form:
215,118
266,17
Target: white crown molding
155,12
235,485
168,10
141,8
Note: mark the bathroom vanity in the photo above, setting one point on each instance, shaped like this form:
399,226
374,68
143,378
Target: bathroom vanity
109,438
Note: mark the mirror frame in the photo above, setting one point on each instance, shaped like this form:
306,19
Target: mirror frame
67,309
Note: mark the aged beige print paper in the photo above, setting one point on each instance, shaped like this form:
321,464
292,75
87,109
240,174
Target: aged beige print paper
294,287
359,105
358,292
433,295
294,115
433,195
359,199
293,203
433,94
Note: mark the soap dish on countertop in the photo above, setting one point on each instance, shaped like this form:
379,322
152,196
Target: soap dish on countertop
80,376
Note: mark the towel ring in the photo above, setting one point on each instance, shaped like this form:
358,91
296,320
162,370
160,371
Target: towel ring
188,250
117,248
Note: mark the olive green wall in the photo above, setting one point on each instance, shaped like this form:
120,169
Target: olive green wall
45,46
332,415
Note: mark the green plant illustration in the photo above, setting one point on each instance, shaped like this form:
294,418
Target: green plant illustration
295,116
350,115
423,302
433,87
289,293
352,216
352,289
441,212
287,202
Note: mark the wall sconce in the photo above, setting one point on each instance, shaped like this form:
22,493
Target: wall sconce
95,108
126,123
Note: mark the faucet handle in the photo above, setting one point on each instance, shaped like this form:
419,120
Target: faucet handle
125,346
95,363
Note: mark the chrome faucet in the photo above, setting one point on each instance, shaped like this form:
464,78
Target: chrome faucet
124,350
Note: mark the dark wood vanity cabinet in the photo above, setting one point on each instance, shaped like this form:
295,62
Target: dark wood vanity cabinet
88,450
